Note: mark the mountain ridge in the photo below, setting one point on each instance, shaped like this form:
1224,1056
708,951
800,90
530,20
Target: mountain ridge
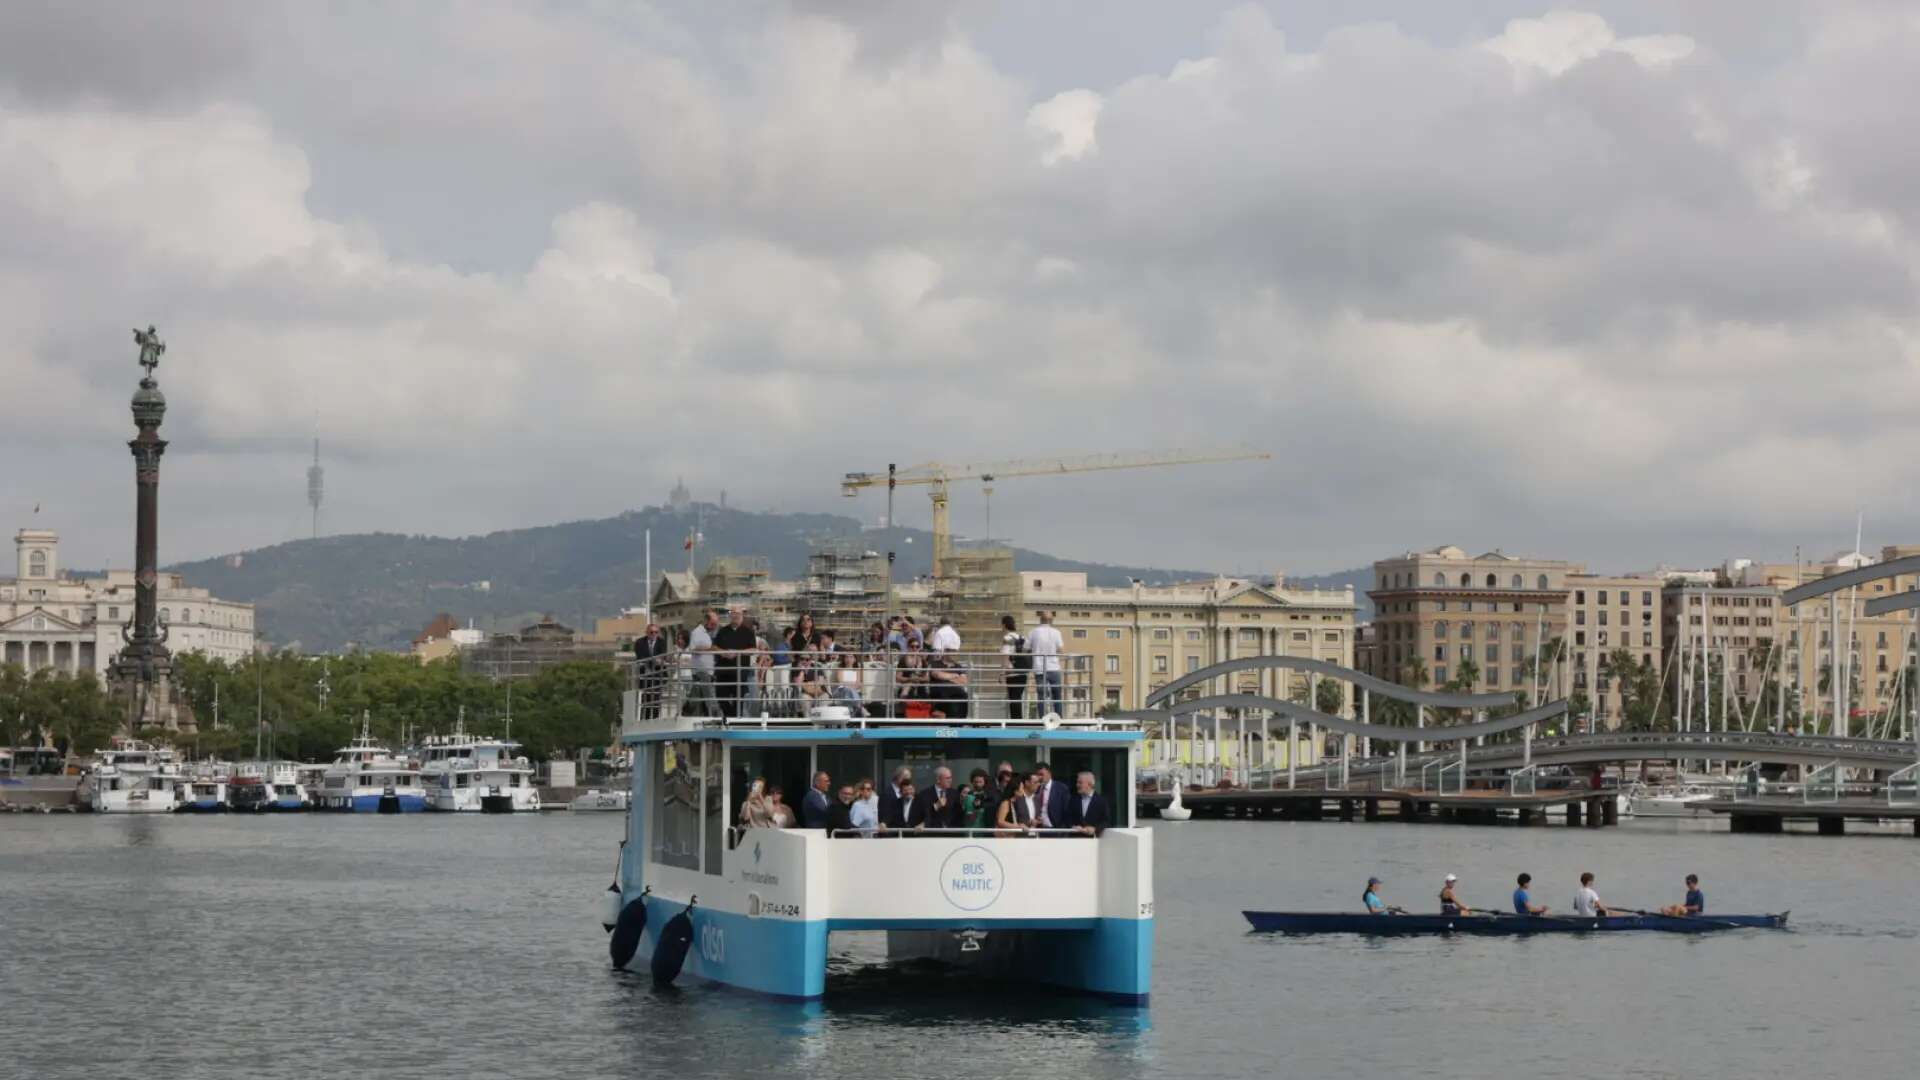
377,590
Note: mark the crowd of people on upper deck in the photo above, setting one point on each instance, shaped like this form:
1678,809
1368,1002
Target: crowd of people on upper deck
1010,803
732,668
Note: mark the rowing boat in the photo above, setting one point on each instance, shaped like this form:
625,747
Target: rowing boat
1304,922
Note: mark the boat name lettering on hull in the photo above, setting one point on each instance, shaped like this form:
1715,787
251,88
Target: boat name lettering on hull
757,878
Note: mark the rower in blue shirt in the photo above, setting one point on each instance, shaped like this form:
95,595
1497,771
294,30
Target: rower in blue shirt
1523,900
1371,898
1694,904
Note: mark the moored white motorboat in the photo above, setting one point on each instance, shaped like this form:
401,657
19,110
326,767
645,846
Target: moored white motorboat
594,799
367,778
134,777
1686,801
465,773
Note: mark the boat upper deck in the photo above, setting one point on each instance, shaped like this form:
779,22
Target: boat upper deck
854,696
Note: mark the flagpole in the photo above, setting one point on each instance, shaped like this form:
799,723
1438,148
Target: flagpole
646,602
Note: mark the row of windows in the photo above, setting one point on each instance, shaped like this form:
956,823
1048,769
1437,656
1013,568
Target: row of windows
1626,638
1517,581
1580,618
1600,596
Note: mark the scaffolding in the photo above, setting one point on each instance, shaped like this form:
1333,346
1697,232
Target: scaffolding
734,581
978,587
846,587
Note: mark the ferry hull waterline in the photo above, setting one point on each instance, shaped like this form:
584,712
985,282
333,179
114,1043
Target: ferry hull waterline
1050,906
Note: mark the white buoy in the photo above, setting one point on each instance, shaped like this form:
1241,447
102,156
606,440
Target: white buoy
1174,811
610,905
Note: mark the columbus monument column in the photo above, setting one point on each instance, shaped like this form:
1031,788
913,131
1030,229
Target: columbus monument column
142,669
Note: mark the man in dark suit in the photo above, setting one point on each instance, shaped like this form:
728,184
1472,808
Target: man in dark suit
905,813
1087,811
840,813
940,804
890,792
818,805
1050,798
647,651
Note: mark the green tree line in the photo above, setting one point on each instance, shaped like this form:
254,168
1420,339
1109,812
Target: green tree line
563,710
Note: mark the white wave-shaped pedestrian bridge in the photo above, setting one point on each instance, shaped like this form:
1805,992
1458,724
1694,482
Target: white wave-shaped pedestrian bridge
1467,741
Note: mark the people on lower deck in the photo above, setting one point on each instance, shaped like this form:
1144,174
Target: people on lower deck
1087,812
1016,812
905,814
782,813
977,802
818,804
840,814
941,807
866,807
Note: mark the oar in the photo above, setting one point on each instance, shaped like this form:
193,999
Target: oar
1698,918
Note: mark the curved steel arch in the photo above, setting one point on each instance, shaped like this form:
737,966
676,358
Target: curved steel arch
1372,684
1906,564
1904,601
1380,732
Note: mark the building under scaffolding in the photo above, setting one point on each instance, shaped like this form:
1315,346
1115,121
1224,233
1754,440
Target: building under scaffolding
979,585
846,586
735,581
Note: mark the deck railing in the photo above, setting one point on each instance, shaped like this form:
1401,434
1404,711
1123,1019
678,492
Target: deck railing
950,687
1822,784
1903,786
1525,781
1433,775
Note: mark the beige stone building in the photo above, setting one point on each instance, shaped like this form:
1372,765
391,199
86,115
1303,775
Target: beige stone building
1877,652
1608,613
1134,640
1438,609
51,620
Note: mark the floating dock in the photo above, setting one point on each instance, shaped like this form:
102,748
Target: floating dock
1771,814
1584,807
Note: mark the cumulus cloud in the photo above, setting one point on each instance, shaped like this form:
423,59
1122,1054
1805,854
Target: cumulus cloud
1581,287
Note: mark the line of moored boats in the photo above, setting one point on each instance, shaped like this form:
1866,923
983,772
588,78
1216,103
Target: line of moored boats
452,773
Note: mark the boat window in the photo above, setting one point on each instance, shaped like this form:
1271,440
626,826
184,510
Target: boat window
1109,768
713,800
784,767
676,791
961,755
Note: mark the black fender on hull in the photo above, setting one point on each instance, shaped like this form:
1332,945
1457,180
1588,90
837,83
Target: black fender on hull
627,931
670,952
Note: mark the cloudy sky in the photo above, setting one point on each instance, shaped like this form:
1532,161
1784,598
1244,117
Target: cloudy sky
1625,283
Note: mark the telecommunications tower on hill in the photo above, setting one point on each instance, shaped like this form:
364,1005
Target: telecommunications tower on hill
316,486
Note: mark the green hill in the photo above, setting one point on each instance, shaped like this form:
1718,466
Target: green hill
377,590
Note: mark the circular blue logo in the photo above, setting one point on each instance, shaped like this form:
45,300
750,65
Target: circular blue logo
971,878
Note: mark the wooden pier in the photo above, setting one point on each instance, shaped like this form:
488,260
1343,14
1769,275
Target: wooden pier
1584,807
1771,814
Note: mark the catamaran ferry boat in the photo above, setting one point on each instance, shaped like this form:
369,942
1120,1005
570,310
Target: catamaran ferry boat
366,778
134,777
474,773
1048,904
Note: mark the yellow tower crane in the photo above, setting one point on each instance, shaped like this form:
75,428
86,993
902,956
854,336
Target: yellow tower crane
936,476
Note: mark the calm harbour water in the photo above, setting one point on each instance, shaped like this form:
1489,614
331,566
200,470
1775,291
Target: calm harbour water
433,946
